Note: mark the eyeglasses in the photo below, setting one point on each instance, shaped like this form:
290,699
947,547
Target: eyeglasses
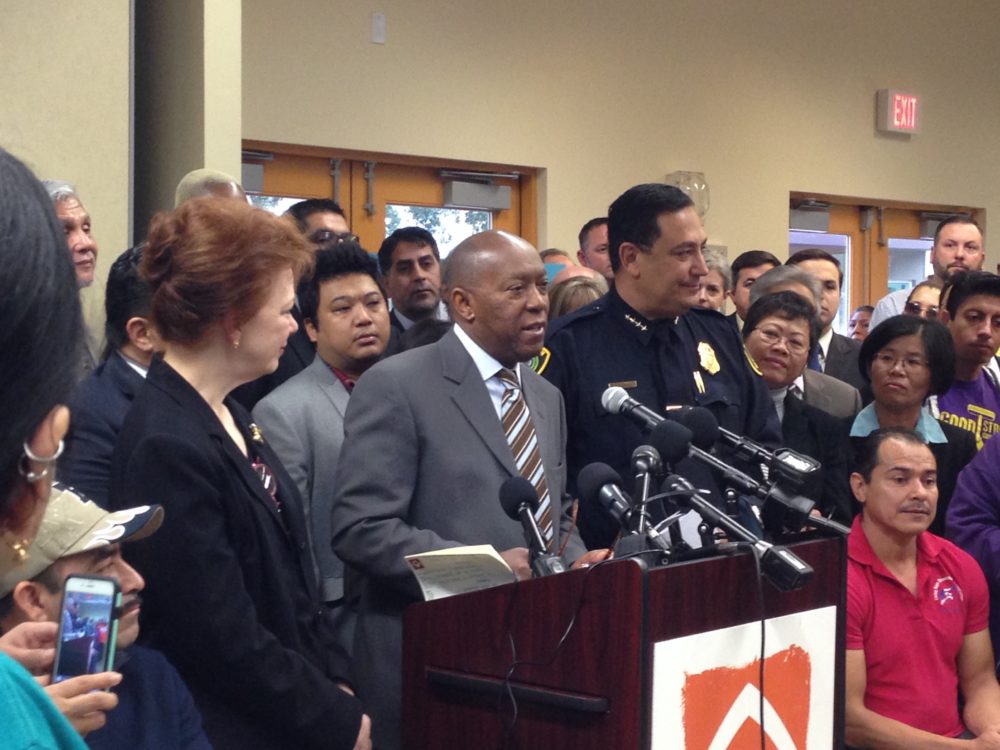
888,361
772,336
324,236
915,308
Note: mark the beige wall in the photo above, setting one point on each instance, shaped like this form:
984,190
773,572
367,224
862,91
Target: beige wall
188,92
764,97
64,90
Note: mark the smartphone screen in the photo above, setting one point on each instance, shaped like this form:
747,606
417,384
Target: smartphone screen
88,628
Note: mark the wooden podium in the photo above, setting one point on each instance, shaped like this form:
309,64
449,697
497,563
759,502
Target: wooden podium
584,643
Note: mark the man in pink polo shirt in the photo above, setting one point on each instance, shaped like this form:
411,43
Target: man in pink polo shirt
917,611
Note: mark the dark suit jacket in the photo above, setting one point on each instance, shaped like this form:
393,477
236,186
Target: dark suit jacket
98,406
812,431
842,360
423,459
299,353
230,595
951,458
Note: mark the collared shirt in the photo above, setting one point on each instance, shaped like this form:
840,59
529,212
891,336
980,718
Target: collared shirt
928,428
345,380
489,368
440,313
134,365
911,642
824,347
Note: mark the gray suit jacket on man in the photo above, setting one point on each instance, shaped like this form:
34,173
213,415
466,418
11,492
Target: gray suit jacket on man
423,459
303,420
831,395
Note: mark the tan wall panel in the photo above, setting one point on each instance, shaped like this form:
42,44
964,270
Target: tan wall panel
764,96
65,110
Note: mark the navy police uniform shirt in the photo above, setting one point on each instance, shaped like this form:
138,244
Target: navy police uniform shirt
696,359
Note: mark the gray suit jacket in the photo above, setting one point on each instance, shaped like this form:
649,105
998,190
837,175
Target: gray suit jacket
423,459
303,420
831,395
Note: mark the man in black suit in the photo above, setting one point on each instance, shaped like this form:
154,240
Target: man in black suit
411,269
838,355
103,399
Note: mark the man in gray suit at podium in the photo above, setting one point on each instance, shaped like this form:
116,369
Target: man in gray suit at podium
425,453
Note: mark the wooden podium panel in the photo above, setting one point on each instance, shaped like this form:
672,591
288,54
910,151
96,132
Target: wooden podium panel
591,689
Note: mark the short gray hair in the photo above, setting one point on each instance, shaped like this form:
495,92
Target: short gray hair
60,190
783,275
716,261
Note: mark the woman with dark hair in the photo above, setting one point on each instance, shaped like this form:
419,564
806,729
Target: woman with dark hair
907,358
41,337
231,595
925,299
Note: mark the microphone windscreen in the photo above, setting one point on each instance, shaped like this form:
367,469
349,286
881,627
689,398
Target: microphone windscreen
702,423
613,398
592,477
672,440
515,492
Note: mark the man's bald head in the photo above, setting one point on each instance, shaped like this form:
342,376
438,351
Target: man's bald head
477,255
208,183
496,289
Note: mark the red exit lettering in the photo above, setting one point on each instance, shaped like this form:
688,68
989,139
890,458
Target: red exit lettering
904,111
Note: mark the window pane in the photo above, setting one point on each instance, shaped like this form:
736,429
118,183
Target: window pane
909,262
839,246
448,225
276,204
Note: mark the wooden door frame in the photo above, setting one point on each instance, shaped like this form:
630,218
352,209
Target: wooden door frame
529,175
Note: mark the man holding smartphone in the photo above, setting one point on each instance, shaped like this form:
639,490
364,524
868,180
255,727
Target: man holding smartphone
78,538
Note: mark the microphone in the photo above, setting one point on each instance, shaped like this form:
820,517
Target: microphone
780,510
646,460
598,482
783,568
616,400
518,499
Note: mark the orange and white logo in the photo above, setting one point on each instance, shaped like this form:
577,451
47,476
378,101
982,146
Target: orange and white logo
706,688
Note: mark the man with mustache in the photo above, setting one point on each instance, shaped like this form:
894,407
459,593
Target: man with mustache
155,710
917,612
958,246
411,268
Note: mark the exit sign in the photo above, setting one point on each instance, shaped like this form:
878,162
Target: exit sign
897,111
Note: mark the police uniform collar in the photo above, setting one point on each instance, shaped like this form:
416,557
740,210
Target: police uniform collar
632,320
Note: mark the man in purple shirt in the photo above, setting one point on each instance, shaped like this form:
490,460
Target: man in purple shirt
970,306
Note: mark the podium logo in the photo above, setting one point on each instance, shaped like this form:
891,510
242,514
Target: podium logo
722,705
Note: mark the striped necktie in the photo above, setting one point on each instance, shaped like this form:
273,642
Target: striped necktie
520,432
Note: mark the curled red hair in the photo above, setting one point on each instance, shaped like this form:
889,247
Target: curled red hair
212,260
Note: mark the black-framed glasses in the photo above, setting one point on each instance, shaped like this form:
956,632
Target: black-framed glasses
327,237
915,308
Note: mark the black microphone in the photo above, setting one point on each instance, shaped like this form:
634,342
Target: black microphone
599,483
782,567
672,439
518,499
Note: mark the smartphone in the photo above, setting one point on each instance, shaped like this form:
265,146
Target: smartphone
88,627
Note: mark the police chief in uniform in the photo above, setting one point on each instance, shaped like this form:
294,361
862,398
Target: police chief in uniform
645,337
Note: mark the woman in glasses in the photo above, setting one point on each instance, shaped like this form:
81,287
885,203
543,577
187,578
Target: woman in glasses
780,330
906,358
924,299
231,595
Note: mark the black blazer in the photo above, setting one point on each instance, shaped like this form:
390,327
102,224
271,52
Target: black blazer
812,431
230,594
99,406
842,361
951,458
